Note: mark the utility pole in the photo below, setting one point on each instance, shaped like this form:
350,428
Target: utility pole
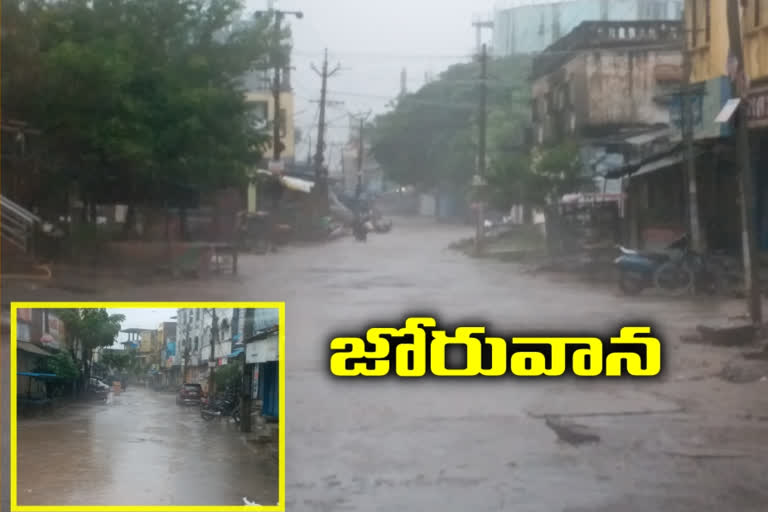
276,82
746,186
362,118
481,143
212,358
321,177
687,118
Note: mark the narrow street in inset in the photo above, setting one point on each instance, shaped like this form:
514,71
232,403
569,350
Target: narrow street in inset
140,448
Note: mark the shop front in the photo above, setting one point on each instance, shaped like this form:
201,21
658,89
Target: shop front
262,366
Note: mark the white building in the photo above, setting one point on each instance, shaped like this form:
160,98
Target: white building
194,332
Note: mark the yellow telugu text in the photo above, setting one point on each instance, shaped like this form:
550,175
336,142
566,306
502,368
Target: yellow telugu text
418,350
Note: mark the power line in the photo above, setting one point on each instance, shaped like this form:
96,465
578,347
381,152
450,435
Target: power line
642,47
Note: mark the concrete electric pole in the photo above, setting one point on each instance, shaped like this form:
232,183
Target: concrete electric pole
688,132
362,118
276,82
741,139
212,358
321,178
481,143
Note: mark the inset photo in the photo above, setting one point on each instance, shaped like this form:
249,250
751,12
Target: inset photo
147,406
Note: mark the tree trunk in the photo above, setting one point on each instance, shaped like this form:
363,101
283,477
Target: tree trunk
183,224
553,230
130,220
527,214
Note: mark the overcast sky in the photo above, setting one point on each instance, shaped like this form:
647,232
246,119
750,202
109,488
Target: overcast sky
373,40
141,318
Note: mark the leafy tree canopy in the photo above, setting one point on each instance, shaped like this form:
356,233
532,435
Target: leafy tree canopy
60,364
430,137
134,95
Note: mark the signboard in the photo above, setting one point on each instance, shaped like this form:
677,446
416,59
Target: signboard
49,341
730,107
262,351
276,166
211,364
706,103
24,314
757,107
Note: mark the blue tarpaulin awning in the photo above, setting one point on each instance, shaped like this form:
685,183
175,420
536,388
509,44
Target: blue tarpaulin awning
235,353
38,375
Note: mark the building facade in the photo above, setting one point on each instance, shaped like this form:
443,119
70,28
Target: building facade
706,24
530,26
606,84
194,333
39,334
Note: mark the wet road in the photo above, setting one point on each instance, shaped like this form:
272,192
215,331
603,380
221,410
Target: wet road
481,445
141,449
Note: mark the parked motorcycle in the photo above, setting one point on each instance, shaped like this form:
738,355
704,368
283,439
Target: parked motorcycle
222,406
638,269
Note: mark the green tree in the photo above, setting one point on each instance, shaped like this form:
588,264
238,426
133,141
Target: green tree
134,97
89,329
429,138
228,375
63,366
60,364
118,360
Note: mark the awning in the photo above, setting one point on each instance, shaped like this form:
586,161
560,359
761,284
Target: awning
235,353
634,167
37,375
33,349
661,163
297,184
291,182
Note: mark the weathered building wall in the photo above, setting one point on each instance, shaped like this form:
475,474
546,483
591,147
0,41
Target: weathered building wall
622,86
598,88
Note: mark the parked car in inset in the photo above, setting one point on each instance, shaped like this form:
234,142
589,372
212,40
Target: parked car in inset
99,386
189,394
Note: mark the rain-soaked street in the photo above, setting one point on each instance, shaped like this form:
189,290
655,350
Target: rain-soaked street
687,442
140,449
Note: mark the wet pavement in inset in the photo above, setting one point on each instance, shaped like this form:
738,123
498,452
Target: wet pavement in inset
683,443
140,449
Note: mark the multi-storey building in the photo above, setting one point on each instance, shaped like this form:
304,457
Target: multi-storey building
194,334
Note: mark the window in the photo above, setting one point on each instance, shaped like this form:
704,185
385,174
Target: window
197,314
260,114
700,22
197,341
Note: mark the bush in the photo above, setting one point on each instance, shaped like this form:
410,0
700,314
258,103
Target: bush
228,376
60,364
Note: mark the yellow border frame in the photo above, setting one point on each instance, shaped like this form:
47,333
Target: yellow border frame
280,507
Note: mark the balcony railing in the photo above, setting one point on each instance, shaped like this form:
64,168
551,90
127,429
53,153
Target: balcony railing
591,35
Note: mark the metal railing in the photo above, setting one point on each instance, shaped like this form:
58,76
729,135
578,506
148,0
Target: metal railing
17,224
